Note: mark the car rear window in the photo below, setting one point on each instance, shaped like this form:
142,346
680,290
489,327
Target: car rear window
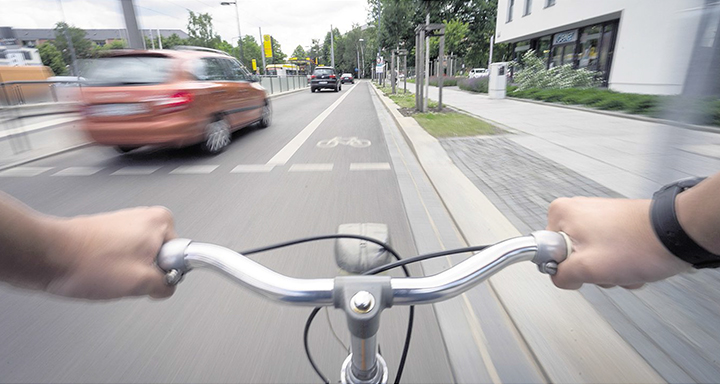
128,70
323,71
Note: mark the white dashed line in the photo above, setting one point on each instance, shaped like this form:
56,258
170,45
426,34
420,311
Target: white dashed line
252,168
141,170
193,169
310,167
24,171
79,171
369,166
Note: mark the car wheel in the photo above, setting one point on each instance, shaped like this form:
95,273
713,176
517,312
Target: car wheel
125,149
312,90
340,88
266,118
217,136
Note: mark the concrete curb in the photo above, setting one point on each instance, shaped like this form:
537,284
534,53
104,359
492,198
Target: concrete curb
570,340
274,95
694,127
46,155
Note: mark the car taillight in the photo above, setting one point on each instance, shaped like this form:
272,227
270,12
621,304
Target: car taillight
312,77
178,101
332,76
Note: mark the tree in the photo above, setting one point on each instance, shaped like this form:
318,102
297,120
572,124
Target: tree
251,50
278,55
83,47
172,41
115,44
299,52
200,30
52,58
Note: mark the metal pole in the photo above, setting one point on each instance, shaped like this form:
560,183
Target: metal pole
237,15
332,47
417,66
151,39
441,68
135,40
71,47
492,41
262,52
159,38
362,55
392,72
405,74
427,67
357,52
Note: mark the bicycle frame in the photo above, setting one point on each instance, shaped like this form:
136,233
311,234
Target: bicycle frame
363,298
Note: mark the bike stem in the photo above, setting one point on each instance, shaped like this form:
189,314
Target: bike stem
363,298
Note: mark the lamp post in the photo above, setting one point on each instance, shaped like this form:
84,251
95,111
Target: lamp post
237,15
362,56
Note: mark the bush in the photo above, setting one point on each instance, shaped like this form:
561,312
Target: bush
478,84
447,81
535,75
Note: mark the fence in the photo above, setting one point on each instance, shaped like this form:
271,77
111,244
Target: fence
38,91
277,84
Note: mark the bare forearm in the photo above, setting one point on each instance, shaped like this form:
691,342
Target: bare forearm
698,211
25,241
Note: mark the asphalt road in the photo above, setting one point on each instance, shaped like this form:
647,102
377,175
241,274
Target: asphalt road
212,330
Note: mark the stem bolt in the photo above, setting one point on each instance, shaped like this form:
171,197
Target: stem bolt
362,302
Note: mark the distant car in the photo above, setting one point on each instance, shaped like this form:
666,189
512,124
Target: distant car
325,78
133,98
478,72
347,78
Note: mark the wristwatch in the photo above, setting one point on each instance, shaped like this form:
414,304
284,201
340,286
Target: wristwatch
671,234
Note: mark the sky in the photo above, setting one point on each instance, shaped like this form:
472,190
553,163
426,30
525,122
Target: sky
291,23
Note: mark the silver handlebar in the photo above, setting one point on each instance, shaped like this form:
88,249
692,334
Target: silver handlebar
544,248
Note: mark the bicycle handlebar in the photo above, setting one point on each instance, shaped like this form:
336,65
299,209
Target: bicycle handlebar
544,248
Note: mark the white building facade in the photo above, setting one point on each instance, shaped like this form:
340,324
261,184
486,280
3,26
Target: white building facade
639,46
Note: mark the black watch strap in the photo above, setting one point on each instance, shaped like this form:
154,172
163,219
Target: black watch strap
668,230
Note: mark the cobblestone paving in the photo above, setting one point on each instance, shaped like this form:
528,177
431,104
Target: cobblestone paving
518,181
671,323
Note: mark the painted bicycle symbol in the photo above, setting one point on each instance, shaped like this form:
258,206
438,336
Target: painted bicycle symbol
351,141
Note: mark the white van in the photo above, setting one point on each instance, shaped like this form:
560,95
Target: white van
478,72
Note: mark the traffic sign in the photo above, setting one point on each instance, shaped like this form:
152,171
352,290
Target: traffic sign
254,65
267,44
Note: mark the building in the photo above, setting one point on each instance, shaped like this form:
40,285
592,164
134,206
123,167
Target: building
639,46
35,37
13,53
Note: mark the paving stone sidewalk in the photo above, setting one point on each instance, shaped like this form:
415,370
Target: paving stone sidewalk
672,324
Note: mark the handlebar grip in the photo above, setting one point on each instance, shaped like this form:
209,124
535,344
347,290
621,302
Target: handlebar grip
553,249
171,260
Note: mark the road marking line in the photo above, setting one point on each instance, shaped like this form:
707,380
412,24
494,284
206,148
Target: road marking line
369,166
78,171
24,171
284,155
311,167
193,169
252,168
139,170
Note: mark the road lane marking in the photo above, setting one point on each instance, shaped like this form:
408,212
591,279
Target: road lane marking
350,141
193,169
135,170
284,155
78,171
369,166
252,168
24,171
310,167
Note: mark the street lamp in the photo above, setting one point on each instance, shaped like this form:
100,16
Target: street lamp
237,15
361,41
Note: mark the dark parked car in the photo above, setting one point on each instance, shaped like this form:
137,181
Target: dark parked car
325,77
347,78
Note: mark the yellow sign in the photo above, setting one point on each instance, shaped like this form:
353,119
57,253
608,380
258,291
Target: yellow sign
254,64
267,44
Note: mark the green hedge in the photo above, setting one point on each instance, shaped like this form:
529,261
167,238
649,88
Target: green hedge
478,84
703,111
447,81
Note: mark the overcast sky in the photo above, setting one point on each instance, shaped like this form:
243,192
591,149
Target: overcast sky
291,23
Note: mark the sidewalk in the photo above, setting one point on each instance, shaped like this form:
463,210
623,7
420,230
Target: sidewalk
552,152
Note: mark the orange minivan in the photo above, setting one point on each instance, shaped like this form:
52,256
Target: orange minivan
176,98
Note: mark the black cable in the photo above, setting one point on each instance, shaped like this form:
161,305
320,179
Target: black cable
323,237
415,259
307,347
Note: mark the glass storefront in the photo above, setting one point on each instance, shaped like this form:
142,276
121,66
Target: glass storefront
590,47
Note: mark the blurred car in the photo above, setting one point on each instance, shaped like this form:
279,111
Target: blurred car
346,77
325,78
133,98
65,88
478,72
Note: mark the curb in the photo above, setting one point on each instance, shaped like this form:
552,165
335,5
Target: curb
50,154
694,127
274,95
537,309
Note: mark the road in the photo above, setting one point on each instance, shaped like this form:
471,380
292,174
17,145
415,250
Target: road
270,185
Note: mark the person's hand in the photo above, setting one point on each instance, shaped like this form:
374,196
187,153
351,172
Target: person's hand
614,243
111,255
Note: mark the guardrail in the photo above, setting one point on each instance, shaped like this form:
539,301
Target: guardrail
277,84
23,92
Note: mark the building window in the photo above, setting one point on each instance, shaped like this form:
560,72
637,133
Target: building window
528,7
511,7
549,3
